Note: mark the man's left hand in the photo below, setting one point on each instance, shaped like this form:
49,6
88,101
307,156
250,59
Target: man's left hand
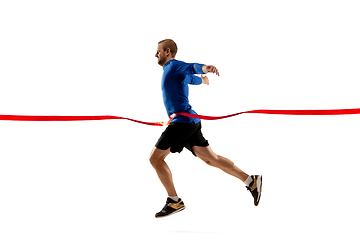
205,80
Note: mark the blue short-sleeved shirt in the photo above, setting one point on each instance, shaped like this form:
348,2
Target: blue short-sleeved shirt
174,84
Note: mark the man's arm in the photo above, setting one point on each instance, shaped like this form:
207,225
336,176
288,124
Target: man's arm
188,68
193,80
210,68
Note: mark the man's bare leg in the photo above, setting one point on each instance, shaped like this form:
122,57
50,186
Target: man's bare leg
208,156
173,203
157,157
253,183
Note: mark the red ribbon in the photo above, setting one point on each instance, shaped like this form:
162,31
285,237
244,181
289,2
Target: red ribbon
106,117
74,118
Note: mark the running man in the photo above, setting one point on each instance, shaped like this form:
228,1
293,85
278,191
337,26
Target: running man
186,131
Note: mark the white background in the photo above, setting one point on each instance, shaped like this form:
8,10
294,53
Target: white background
92,180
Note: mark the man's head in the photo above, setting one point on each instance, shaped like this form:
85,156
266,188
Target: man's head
166,51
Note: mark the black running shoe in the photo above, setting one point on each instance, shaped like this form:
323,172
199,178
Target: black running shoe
171,207
255,188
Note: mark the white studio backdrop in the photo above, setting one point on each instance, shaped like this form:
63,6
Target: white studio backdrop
92,180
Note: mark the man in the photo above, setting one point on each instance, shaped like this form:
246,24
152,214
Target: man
185,131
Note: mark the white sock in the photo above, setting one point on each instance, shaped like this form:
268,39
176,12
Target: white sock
175,198
248,181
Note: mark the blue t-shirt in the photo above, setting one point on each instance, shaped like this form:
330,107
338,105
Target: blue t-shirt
174,84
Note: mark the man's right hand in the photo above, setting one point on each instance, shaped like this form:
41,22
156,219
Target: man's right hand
210,68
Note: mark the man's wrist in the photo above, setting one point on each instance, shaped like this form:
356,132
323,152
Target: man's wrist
204,69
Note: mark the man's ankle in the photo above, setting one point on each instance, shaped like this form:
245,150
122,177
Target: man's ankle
175,198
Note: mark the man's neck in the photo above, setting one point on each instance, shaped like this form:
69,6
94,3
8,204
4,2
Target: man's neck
168,60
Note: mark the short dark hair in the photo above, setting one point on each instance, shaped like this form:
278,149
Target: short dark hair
169,43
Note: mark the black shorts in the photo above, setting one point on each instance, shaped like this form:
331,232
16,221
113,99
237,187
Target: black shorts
179,135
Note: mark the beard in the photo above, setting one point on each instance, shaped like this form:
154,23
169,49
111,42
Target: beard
161,61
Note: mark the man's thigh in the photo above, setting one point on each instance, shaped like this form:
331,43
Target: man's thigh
204,153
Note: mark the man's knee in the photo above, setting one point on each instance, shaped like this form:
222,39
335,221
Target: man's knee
209,159
207,155
154,160
212,161
157,156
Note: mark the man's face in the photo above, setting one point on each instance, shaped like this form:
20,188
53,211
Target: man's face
160,55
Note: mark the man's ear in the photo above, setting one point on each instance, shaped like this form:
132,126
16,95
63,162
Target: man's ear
168,52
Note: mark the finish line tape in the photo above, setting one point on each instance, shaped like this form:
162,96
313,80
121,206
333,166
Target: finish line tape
164,123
